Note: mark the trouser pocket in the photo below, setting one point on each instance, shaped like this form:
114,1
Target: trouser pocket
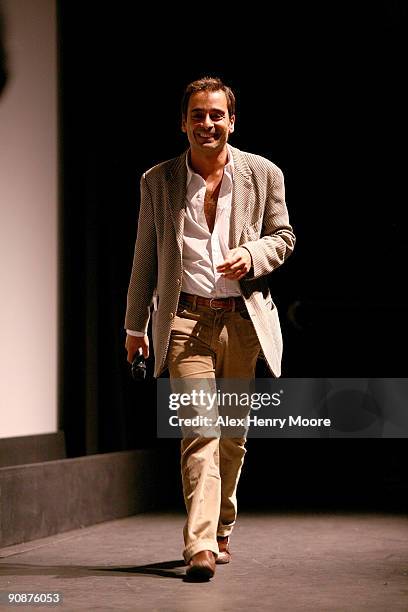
245,314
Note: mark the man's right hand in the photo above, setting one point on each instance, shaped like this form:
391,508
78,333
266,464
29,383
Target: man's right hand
134,343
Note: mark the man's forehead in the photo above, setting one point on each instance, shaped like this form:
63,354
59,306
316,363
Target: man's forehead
211,100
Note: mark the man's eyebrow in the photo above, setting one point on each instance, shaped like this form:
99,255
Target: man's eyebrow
212,110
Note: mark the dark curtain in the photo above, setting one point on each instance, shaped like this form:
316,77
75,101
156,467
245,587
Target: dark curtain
320,92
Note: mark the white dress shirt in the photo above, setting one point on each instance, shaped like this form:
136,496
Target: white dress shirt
203,251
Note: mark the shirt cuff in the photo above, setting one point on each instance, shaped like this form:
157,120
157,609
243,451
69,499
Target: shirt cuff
139,334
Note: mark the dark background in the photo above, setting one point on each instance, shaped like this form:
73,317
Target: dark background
320,93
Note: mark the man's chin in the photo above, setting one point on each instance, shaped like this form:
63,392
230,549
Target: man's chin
208,142
214,145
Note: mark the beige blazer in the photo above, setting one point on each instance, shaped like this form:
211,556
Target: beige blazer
259,221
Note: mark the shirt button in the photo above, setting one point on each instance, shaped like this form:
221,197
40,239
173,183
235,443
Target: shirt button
178,281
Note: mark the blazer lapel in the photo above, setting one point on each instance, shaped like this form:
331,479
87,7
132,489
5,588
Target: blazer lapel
240,197
177,196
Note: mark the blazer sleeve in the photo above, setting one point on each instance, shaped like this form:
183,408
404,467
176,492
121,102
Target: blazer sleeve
143,277
277,240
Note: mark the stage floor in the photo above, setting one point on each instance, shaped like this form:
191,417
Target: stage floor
289,562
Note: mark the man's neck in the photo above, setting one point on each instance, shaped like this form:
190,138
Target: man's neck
209,165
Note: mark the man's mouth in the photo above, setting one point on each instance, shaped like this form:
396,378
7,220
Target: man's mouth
205,135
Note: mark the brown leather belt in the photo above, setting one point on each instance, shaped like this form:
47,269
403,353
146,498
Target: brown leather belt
227,304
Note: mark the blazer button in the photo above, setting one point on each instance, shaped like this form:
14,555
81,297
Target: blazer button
171,315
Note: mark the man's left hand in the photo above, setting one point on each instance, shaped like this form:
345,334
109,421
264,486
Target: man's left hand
237,264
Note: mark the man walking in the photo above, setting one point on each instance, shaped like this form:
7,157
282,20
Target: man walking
212,225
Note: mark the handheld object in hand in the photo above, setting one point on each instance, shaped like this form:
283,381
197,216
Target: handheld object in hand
138,367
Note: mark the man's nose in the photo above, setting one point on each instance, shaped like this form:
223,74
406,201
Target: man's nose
207,122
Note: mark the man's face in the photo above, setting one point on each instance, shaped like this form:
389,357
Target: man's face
207,123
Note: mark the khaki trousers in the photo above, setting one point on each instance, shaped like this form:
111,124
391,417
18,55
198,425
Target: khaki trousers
211,344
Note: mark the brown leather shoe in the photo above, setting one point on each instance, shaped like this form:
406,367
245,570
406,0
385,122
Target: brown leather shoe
202,565
224,556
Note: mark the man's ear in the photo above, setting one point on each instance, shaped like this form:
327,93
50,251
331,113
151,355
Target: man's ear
183,125
232,124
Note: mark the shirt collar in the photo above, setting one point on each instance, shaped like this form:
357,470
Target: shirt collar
228,168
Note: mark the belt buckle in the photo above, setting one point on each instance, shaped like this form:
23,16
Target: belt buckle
214,307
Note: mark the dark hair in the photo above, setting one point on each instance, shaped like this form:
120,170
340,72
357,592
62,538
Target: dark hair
208,84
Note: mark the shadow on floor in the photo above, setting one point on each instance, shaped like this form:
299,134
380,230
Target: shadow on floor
162,569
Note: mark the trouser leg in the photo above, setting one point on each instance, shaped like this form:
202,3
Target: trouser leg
232,452
202,494
238,364
193,359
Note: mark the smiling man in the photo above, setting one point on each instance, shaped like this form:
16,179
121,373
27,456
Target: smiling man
213,224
